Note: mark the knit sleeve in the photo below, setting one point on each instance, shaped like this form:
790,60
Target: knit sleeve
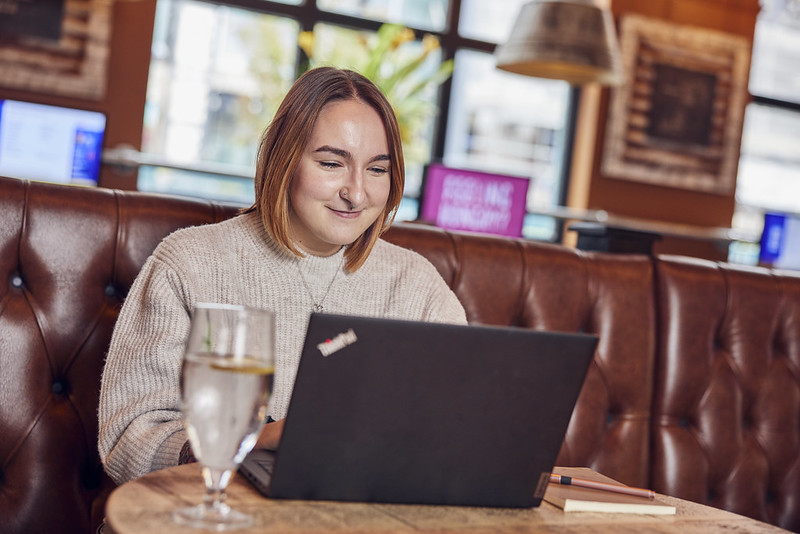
443,304
140,426
417,286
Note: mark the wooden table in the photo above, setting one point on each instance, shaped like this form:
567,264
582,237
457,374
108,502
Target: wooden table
144,505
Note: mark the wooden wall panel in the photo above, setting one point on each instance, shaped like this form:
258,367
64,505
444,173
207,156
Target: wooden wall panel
646,201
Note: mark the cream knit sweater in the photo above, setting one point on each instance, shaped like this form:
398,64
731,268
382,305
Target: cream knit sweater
235,262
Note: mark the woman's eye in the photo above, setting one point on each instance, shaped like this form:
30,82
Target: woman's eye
378,170
329,164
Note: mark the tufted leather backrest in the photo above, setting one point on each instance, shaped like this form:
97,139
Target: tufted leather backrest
542,286
727,398
68,256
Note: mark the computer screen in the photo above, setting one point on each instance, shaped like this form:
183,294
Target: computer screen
780,241
50,143
474,201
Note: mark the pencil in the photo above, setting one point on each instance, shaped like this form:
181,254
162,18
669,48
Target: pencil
603,486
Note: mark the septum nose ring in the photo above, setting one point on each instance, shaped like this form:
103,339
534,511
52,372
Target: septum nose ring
344,197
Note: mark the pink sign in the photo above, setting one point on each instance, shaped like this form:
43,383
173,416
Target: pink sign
473,201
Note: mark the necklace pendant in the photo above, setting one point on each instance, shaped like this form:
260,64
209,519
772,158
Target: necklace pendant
316,308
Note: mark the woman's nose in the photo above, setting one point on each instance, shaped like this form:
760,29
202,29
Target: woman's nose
355,190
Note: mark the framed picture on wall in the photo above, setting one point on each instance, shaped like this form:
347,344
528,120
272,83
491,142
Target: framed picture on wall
677,119
58,47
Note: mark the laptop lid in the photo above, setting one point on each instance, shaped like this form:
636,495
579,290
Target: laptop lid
426,413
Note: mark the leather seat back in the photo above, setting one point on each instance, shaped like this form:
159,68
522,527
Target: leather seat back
69,255
727,398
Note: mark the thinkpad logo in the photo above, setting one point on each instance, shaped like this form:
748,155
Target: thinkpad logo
329,346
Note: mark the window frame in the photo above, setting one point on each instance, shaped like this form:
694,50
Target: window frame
306,14
742,252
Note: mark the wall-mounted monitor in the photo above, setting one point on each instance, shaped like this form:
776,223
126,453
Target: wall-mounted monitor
474,201
780,241
50,143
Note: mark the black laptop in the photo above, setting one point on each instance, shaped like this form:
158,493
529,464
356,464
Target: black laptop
424,413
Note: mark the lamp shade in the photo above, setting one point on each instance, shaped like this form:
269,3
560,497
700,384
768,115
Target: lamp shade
572,40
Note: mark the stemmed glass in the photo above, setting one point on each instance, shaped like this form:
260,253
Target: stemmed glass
226,381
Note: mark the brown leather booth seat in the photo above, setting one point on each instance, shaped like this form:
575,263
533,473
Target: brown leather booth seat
727,391
68,256
548,287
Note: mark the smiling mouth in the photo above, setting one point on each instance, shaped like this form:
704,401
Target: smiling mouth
346,214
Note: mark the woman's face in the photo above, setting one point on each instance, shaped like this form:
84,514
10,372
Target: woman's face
343,179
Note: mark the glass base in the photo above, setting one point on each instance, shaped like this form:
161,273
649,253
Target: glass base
219,518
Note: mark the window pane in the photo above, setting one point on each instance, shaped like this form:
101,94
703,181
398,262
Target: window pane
216,77
488,21
422,14
769,168
769,165
769,173
776,51
509,124
416,111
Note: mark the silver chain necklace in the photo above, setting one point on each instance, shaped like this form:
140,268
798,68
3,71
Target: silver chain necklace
317,306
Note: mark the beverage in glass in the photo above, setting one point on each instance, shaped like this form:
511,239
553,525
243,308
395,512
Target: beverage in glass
225,385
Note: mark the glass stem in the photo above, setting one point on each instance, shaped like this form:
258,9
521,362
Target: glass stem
216,481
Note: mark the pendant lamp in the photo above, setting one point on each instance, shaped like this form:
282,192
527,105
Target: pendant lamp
572,40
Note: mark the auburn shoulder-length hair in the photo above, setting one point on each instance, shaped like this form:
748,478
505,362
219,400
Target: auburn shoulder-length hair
285,139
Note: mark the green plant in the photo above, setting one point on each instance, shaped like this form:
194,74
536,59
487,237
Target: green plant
407,71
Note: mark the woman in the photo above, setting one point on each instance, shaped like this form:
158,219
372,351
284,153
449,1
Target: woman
329,179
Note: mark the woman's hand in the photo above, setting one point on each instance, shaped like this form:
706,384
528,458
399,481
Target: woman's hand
270,435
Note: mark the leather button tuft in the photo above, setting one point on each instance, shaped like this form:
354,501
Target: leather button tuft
16,281
91,478
110,290
59,387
